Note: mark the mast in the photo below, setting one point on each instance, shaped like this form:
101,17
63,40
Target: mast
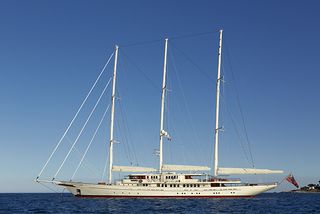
113,97
163,133
216,131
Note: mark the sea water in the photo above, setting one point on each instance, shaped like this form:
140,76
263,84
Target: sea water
66,203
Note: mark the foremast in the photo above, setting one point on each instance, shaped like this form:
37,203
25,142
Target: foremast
113,97
163,133
217,128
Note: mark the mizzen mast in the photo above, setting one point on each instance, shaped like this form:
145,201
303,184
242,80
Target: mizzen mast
113,97
217,128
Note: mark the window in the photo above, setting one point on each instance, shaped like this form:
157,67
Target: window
184,185
170,185
158,185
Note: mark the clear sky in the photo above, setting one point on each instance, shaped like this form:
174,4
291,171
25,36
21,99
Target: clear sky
52,51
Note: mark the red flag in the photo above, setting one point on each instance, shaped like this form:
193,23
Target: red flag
291,180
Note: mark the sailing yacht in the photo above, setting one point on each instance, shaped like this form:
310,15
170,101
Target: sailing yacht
170,180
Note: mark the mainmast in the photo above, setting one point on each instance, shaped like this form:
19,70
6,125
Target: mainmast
163,133
113,97
216,131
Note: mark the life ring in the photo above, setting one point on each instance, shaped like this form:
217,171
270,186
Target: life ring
140,181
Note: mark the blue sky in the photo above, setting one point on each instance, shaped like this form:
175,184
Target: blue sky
52,51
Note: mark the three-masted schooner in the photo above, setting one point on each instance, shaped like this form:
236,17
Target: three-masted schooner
166,181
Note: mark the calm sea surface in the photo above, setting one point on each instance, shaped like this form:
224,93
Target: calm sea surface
66,203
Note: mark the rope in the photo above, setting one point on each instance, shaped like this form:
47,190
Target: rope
184,98
104,168
193,35
168,121
193,63
282,180
122,133
94,135
141,71
127,134
120,136
236,129
83,102
171,38
240,108
46,186
91,166
140,43
85,124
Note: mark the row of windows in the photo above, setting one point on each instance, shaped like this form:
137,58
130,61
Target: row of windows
178,185
167,177
155,177
182,193
172,177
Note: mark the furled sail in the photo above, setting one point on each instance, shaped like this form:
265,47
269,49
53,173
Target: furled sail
184,168
234,171
132,169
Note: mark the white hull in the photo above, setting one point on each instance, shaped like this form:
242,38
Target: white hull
114,190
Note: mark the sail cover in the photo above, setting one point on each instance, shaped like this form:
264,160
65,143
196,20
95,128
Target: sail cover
235,171
132,169
184,168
